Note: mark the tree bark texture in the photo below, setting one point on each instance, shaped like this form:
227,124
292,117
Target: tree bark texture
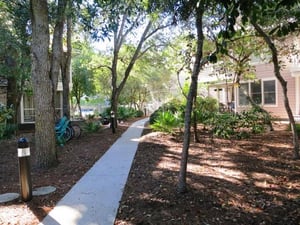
283,85
182,187
66,68
45,141
57,45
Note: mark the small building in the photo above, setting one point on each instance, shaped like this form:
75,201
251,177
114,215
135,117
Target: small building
265,89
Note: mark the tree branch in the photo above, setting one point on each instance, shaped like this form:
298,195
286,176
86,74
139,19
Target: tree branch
103,66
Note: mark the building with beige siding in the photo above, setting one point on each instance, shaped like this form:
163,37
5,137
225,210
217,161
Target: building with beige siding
265,89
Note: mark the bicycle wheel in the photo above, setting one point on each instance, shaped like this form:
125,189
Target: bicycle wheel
68,134
76,131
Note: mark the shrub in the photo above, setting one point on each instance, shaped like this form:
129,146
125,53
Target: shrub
139,113
9,130
206,109
228,125
224,125
255,119
6,128
125,113
297,128
106,113
92,126
167,121
174,106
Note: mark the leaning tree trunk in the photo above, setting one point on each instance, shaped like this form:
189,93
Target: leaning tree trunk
181,188
196,136
119,38
45,143
283,85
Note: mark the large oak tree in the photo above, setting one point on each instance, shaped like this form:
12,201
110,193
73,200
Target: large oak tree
43,85
46,67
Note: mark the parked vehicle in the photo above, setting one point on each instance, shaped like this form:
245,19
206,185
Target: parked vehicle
87,112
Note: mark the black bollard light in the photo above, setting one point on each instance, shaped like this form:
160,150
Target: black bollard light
24,169
112,122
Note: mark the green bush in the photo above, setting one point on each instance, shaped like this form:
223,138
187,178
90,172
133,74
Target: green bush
297,128
174,106
2,130
224,125
206,108
139,113
228,125
6,129
106,113
10,130
255,119
92,126
124,113
167,121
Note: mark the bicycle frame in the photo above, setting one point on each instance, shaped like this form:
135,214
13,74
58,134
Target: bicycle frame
60,130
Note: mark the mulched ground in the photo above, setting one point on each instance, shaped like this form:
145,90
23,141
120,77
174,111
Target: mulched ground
75,158
251,181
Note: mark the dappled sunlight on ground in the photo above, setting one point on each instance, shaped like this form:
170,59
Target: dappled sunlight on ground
251,181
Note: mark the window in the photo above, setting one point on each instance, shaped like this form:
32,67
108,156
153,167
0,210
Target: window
256,92
58,104
28,111
269,92
243,93
261,91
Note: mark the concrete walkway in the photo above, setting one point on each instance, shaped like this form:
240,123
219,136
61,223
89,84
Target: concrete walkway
94,200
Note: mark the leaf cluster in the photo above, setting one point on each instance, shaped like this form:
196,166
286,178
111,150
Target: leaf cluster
6,128
228,125
167,121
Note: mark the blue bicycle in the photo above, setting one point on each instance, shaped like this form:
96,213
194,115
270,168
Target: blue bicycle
65,131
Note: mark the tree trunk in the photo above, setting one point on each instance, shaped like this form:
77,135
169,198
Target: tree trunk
119,39
45,142
283,85
66,70
78,105
196,136
57,45
114,111
181,188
